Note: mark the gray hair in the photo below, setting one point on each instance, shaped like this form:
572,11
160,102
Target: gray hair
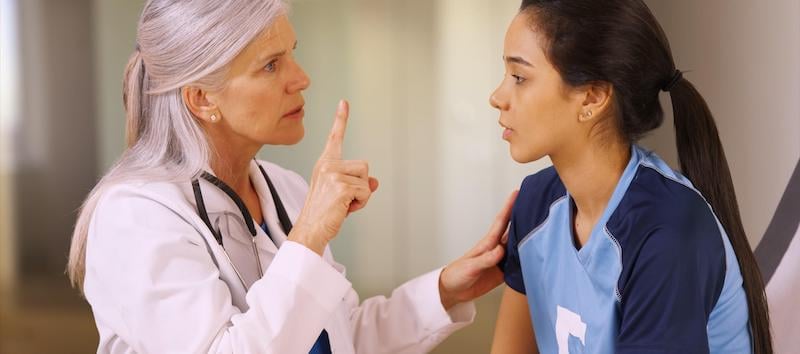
179,43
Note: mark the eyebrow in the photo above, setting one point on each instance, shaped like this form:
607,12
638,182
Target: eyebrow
275,55
518,60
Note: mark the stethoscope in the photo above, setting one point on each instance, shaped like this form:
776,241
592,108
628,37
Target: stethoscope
283,217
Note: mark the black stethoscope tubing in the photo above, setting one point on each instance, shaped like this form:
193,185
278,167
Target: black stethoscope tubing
283,217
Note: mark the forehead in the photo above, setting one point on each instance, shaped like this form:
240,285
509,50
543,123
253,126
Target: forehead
276,36
522,39
280,36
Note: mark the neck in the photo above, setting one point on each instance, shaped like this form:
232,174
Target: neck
591,173
230,162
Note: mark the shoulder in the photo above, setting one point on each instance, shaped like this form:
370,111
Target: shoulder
657,201
142,225
131,206
665,229
134,195
536,195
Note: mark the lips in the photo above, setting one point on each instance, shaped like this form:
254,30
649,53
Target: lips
294,112
506,130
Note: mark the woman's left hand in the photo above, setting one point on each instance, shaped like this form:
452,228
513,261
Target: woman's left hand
476,273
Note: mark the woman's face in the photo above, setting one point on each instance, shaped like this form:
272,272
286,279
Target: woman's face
262,102
537,109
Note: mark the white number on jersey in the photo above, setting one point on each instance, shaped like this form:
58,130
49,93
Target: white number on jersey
568,323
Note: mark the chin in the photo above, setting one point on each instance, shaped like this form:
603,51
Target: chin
287,138
521,155
295,138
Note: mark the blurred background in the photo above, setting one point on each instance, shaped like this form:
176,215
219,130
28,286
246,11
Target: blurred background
418,74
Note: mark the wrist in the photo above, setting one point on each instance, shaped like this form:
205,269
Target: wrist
447,299
306,238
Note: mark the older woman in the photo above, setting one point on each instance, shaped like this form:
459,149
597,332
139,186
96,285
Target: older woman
189,244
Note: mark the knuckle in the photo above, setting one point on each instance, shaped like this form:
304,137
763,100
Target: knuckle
325,167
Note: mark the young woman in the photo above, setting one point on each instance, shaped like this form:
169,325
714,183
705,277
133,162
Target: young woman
610,250
190,245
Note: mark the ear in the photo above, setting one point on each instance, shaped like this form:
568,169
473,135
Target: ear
201,104
597,101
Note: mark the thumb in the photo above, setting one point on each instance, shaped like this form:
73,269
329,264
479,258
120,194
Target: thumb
373,184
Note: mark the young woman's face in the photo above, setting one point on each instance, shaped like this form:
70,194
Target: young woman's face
263,101
538,111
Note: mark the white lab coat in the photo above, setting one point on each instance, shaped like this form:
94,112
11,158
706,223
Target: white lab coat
158,282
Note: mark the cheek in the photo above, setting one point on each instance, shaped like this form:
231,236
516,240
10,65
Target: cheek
263,103
542,123
537,107
255,108
548,110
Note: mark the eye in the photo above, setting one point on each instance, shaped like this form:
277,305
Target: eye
272,66
518,79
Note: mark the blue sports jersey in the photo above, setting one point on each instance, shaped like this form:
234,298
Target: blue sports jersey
658,274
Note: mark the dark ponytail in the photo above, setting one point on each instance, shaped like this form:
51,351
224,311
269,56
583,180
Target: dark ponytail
703,161
621,43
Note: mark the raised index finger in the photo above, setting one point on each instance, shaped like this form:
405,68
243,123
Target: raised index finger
333,148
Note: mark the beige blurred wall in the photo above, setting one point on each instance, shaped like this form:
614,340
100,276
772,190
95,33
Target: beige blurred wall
744,57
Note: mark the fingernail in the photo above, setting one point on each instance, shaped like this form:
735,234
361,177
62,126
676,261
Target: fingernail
341,106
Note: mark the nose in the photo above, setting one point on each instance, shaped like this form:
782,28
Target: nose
300,80
497,101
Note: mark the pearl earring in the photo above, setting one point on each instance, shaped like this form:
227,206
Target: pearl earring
213,117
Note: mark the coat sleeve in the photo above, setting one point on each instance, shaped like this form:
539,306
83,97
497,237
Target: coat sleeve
151,280
411,320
